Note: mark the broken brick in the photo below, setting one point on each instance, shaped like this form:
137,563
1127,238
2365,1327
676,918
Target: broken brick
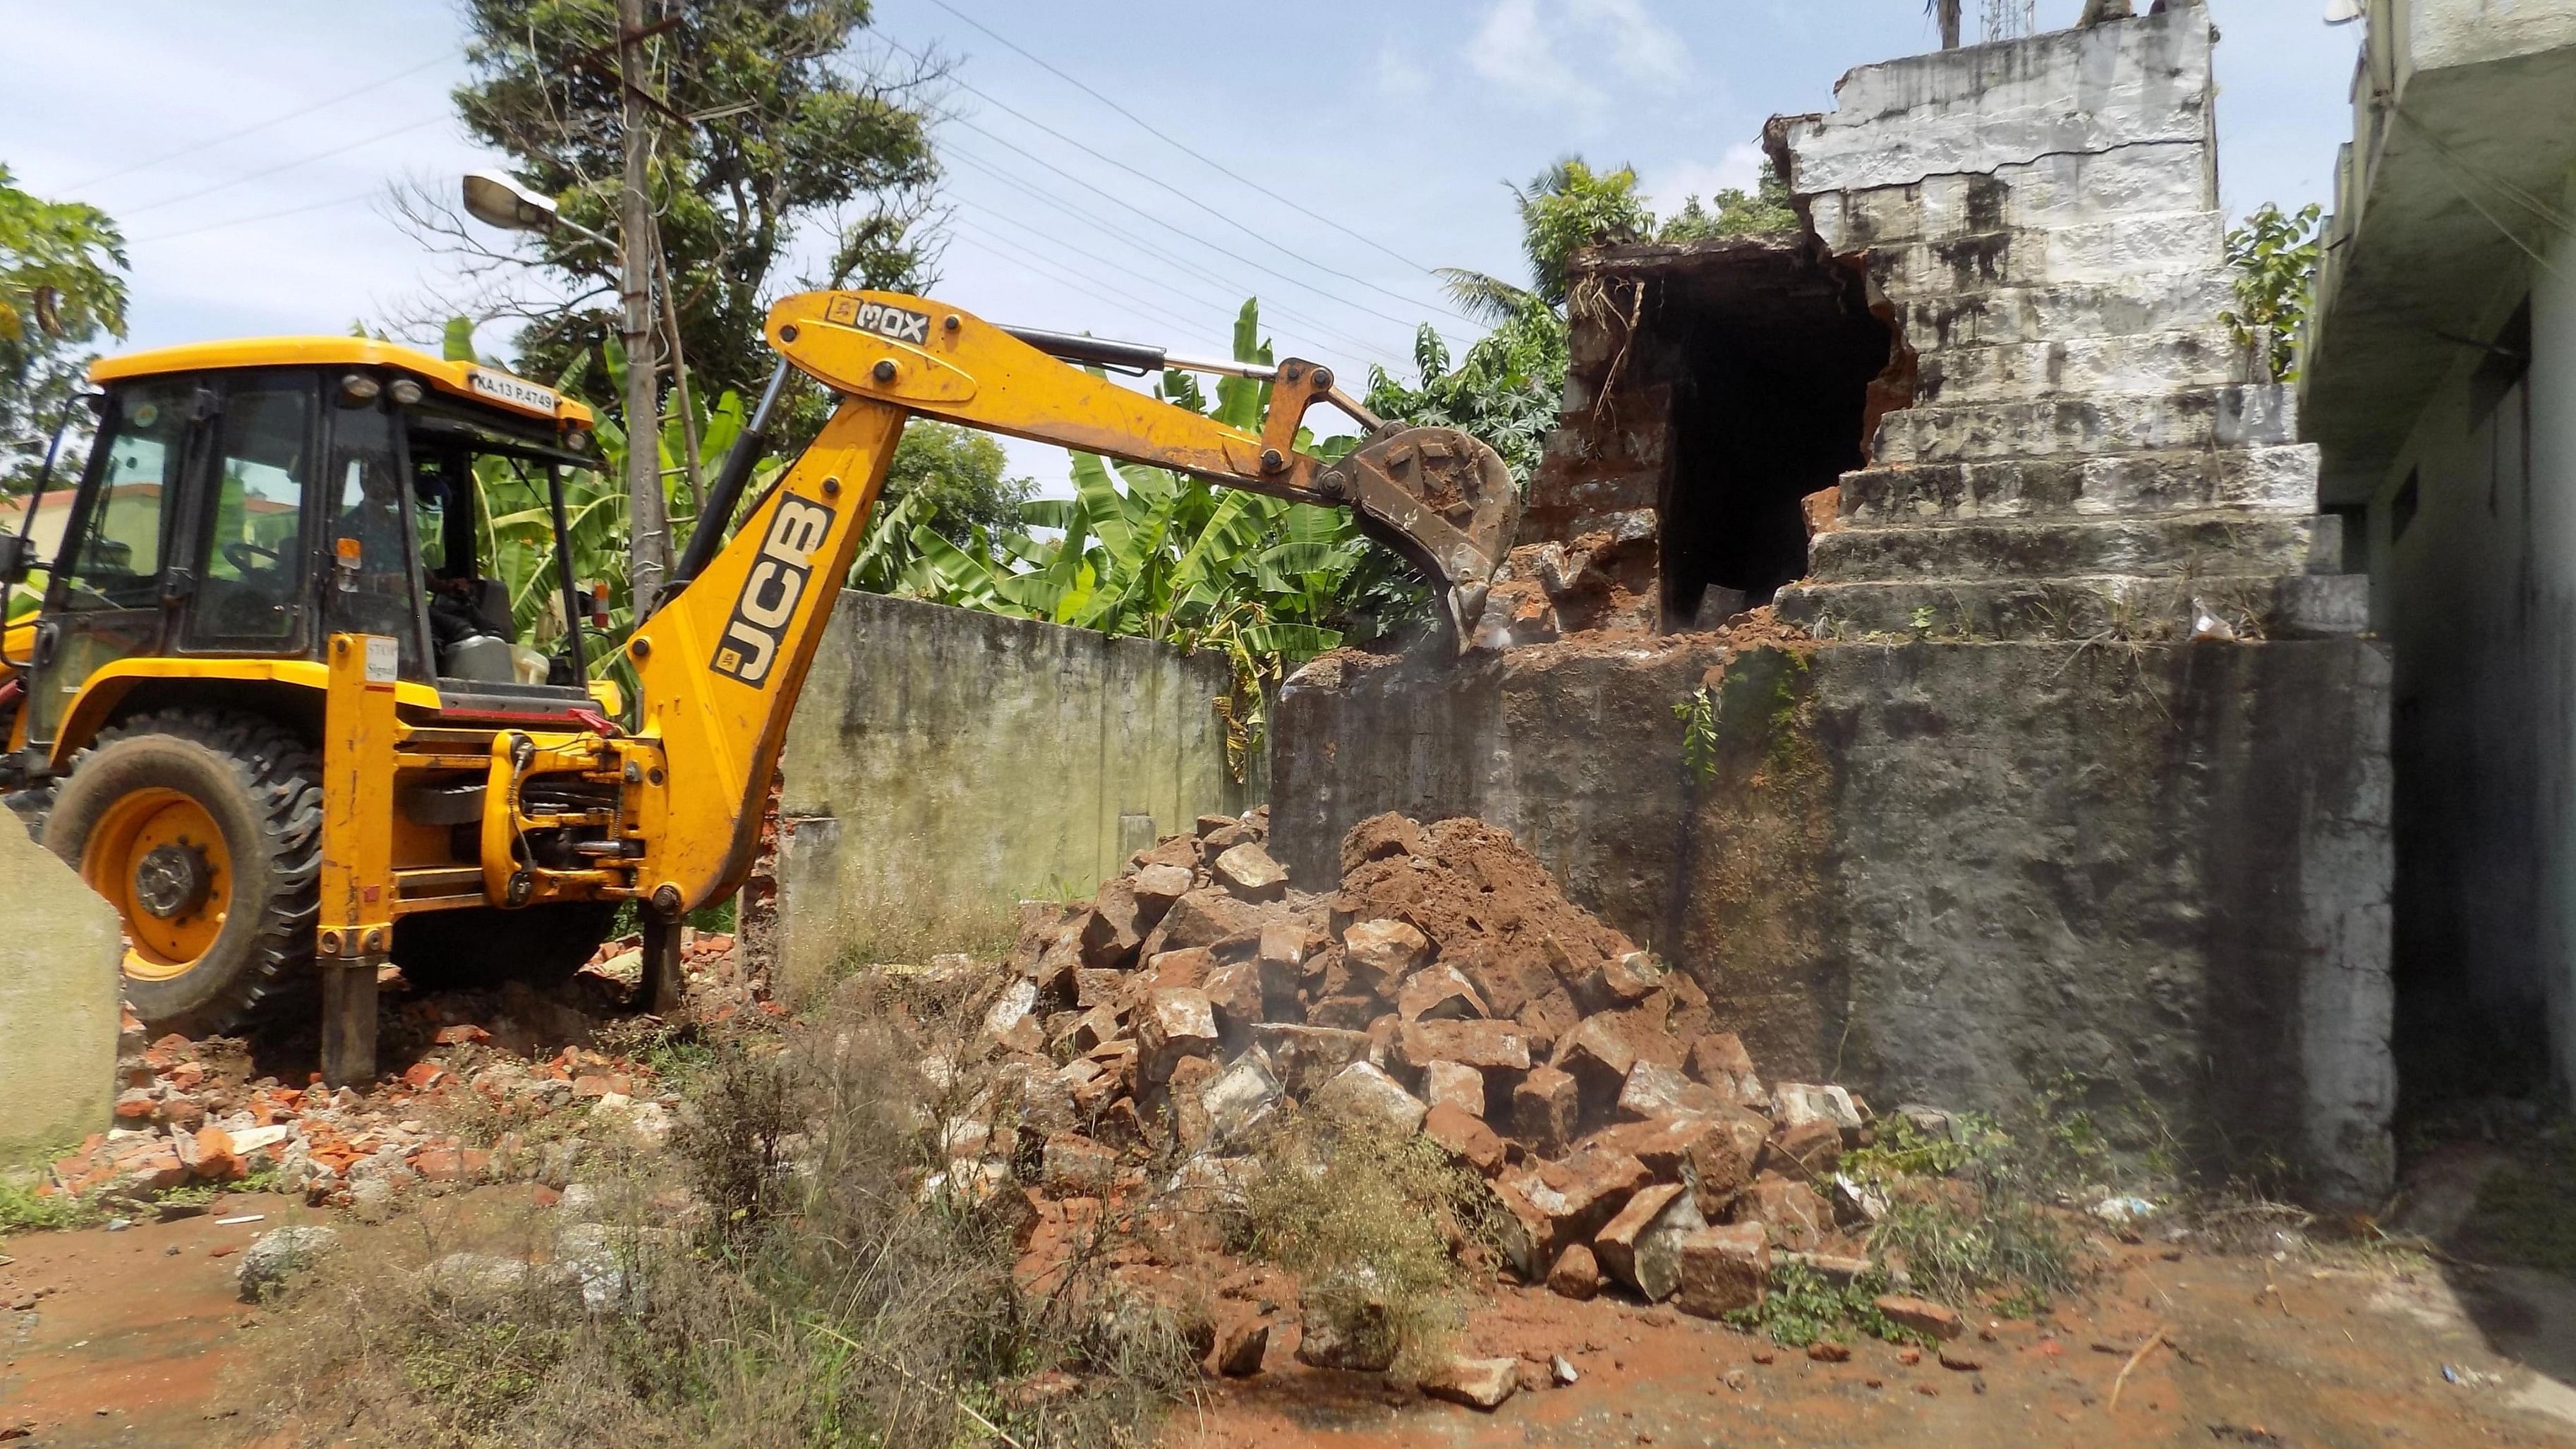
1249,872
1484,1045
1722,1270
1547,1106
1464,1137
1439,993
1383,953
1454,1084
1577,1274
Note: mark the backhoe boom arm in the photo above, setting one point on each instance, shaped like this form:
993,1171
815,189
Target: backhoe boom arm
722,662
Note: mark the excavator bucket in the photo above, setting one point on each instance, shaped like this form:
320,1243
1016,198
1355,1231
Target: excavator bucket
1440,498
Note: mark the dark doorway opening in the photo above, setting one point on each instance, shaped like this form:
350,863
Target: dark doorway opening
1781,371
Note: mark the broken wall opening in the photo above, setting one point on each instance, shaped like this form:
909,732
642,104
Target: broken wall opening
1773,353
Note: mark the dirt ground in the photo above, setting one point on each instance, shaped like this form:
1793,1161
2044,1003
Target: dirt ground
137,1338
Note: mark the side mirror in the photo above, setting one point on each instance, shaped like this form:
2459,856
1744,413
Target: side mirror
14,558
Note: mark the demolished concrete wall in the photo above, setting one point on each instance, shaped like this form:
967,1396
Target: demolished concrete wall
2072,770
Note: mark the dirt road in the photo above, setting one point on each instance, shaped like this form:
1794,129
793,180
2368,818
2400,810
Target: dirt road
2254,1352
144,1324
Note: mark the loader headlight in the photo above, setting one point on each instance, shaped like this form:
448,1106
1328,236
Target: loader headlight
404,391
359,389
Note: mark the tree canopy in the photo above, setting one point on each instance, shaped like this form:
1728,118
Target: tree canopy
780,136
61,289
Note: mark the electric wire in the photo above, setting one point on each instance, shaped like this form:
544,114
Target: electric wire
1056,271
1155,181
281,166
1226,309
1186,150
367,195
168,156
1313,325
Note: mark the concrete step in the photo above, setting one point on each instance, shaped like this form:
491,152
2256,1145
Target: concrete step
2200,545
2235,416
2165,301
2065,188
2280,479
2096,251
2104,607
2152,362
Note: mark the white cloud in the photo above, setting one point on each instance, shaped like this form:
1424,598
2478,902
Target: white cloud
1640,46
1398,77
1667,186
1548,52
1515,48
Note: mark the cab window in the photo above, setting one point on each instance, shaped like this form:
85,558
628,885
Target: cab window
254,555
115,562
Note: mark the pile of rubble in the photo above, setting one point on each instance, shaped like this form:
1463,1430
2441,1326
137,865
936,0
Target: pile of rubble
1446,987
492,1078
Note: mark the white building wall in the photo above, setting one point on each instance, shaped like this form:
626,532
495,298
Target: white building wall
2477,589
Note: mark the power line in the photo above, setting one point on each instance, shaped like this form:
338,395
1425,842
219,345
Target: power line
440,59
1362,345
263,216
1057,271
1106,159
1222,308
1160,134
1185,234
281,166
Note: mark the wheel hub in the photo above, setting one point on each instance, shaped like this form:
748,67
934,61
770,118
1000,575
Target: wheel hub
172,880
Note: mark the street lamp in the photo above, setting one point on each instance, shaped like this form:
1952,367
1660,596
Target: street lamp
497,199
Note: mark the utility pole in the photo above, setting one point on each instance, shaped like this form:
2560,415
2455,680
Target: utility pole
648,526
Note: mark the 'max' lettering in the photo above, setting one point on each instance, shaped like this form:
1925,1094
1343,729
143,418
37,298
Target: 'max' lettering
772,590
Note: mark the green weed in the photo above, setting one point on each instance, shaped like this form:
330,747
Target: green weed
1804,1307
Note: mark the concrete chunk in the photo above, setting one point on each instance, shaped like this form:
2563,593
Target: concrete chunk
1484,1045
1172,1024
1306,1057
1641,1245
1479,1383
1439,993
1362,1091
1722,1269
1157,886
1654,1090
1113,930
1249,872
1240,1097
1546,1108
1383,953
1454,1084
1464,1137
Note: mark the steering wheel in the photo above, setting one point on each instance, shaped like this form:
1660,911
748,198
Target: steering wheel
248,557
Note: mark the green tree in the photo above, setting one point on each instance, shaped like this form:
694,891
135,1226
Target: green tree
1765,212
1563,209
956,473
2274,256
60,290
781,137
1165,555
1507,390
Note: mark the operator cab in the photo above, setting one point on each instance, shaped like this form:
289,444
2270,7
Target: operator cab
249,499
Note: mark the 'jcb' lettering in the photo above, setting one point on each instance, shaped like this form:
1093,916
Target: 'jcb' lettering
771,591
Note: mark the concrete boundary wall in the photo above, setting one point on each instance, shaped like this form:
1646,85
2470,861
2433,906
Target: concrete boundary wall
944,762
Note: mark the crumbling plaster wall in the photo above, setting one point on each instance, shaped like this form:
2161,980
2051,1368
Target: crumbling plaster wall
2001,821
945,761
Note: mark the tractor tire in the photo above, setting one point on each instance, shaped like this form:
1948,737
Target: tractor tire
203,827
480,946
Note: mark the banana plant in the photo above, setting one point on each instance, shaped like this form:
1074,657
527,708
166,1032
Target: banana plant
1168,556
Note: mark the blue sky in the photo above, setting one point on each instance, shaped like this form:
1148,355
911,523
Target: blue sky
1394,123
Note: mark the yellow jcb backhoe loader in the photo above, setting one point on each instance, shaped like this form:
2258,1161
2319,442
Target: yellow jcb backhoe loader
271,707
